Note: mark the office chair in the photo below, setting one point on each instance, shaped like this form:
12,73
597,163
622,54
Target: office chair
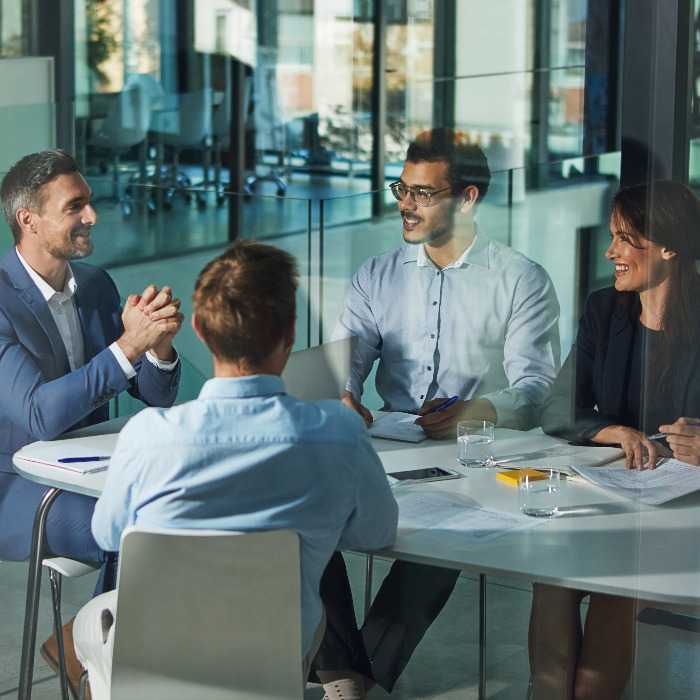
125,126
270,135
209,615
190,126
221,142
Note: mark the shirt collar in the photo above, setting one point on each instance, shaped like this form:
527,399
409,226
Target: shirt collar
477,253
47,291
257,385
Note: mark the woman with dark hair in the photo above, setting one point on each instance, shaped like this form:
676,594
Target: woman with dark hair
634,370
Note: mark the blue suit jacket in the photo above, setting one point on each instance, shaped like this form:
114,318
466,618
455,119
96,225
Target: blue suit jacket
588,393
40,397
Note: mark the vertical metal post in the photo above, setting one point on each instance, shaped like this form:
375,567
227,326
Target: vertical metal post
235,158
539,134
320,271
656,90
444,63
482,637
602,79
53,34
379,109
309,275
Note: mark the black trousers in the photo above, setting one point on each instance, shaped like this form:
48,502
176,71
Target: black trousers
409,599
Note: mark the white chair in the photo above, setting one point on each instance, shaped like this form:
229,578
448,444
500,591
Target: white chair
190,126
208,615
125,126
58,568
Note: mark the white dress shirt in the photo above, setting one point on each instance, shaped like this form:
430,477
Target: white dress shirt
483,327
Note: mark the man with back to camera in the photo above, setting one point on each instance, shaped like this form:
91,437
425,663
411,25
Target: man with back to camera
244,455
449,313
66,349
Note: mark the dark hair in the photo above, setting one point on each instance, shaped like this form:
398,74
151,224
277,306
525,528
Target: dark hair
245,300
667,213
22,186
467,164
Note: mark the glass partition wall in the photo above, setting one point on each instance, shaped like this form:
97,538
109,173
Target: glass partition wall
289,149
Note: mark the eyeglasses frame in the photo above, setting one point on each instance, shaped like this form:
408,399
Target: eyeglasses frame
411,191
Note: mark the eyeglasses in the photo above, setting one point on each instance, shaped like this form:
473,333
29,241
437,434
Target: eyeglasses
420,196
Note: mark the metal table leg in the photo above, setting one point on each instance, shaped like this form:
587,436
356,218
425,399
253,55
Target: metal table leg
482,637
33,590
368,584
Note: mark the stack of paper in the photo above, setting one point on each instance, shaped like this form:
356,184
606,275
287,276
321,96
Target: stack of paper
397,426
670,480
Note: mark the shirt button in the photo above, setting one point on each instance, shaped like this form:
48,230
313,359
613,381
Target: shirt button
59,310
421,396
429,367
432,335
69,353
434,303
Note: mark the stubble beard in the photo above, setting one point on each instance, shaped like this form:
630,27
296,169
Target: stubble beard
71,250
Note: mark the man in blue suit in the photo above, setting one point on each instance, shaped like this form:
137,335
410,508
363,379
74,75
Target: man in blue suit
66,347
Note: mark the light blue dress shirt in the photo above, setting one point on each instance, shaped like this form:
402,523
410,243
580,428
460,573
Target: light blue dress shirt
483,327
246,456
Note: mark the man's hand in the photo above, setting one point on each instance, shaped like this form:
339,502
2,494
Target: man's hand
351,402
636,445
683,437
162,307
443,424
151,321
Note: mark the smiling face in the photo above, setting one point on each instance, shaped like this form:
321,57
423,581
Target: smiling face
640,265
63,225
433,223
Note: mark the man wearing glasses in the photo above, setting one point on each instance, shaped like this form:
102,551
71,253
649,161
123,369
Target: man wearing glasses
449,313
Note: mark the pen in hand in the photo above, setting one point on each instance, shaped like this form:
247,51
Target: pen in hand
444,404
659,436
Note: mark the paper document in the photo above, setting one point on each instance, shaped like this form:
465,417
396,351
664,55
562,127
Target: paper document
670,480
51,455
431,510
564,458
397,426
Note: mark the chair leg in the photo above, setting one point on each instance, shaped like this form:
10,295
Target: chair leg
82,687
55,578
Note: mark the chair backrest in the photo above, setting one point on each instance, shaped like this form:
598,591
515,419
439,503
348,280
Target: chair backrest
208,615
320,372
192,122
127,120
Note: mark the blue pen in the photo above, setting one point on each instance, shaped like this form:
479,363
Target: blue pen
444,404
74,460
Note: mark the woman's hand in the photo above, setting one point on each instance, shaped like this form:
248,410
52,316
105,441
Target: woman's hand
637,445
683,437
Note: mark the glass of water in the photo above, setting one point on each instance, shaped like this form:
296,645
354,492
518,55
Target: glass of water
538,492
475,443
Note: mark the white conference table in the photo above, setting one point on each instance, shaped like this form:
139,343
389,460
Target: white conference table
599,541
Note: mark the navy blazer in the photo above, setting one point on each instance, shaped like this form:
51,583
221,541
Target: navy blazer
40,396
588,393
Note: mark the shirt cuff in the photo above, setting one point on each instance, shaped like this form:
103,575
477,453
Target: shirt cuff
508,415
120,357
162,364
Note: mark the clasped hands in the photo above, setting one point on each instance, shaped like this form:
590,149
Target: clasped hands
441,424
683,437
151,321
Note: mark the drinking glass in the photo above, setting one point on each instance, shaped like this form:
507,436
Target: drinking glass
475,443
538,492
